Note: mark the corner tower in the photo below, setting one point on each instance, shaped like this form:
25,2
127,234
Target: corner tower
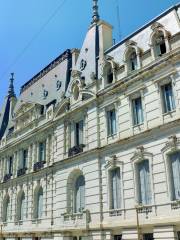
98,39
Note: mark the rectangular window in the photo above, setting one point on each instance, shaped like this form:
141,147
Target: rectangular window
138,117
42,151
10,165
175,175
144,183
148,236
23,159
115,188
111,122
168,98
79,133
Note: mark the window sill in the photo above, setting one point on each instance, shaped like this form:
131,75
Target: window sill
138,125
169,113
112,135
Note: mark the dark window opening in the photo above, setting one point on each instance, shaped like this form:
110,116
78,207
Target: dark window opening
117,237
148,236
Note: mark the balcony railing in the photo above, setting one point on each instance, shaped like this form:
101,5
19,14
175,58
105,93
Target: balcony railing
115,212
76,220
38,165
21,172
76,150
7,177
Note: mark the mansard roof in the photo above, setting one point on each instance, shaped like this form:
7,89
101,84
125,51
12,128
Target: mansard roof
176,7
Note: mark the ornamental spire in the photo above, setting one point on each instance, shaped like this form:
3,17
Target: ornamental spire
95,16
11,92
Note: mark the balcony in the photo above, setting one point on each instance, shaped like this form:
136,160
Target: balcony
76,220
38,165
75,150
21,172
7,177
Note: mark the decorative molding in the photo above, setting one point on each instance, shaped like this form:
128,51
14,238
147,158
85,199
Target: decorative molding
112,162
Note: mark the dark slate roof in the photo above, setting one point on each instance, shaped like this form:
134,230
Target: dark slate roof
4,117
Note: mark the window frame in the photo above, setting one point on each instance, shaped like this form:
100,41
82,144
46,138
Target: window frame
110,164
139,155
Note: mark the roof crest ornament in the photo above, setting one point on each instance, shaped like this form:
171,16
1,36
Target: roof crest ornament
95,16
11,92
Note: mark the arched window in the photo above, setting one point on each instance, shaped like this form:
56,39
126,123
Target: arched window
6,208
159,44
79,194
115,188
174,166
144,182
133,62
132,57
38,203
21,209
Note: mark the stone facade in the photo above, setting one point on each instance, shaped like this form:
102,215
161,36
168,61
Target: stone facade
92,111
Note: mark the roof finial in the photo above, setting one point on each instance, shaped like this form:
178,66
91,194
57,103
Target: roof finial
11,92
95,16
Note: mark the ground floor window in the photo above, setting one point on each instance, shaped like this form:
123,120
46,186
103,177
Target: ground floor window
148,236
178,235
117,237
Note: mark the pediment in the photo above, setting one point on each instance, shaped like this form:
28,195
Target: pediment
62,107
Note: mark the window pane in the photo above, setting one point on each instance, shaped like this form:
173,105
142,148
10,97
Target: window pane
175,166
137,111
111,121
79,133
115,189
79,194
40,205
168,98
144,182
42,151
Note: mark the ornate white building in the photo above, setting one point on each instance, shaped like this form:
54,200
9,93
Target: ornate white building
91,147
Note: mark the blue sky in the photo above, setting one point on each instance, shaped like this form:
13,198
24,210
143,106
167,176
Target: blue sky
22,21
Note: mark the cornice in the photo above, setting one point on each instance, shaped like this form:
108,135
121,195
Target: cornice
142,73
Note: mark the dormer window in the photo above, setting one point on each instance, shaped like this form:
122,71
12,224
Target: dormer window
132,57
109,75
133,63
160,45
159,40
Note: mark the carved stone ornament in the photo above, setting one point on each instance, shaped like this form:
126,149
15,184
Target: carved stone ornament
76,74
83,64
156,25
112,162
141,154
171,144
130,43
